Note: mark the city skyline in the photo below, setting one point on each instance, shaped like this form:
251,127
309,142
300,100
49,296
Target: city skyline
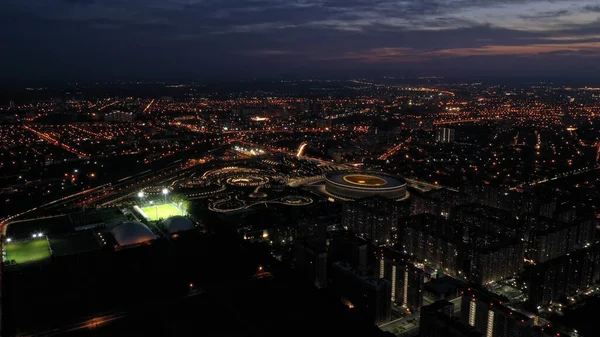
90,39
437,208
381,168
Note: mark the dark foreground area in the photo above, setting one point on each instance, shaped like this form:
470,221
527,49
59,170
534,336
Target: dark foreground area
200,284
583,318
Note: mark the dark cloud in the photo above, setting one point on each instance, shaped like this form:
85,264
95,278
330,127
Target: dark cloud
592,8
545,15
170,37
85,2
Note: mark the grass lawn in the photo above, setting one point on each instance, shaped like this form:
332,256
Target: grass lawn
164,211
28,251
79,242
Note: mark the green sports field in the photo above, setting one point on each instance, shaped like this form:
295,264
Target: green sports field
164,211
28,251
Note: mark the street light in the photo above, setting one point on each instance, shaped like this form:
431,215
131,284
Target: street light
8,239
165,192
140,194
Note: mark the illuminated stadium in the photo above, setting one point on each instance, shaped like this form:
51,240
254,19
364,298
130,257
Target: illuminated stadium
356,185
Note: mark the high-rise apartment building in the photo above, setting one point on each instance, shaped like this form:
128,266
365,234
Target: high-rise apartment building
564,276
437,320
370,296
473,218
350,248
432,239
551,238
374,218
407,280
496,261
310,258
493,319
444,135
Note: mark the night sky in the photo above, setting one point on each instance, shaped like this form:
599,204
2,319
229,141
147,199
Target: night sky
54,39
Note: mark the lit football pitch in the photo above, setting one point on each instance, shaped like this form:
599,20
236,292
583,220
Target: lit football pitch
28,251
157,212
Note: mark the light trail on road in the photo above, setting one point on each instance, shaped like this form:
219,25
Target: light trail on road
55,142
148,106
107,105
95,134
394,149
9,218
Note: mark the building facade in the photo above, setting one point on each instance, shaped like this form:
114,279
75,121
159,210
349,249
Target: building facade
491,318
431,238
374,218
564,276
407,280
437,320
370,296
444,135
310,258
501,260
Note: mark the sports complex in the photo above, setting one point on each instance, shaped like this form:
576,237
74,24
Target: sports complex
351,185
42,240
41,247
156,212
28,251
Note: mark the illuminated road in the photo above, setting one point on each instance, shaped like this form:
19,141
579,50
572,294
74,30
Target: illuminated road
98,321
96,194
301,149
425,186
95,134
107,105
132,185
313,130
49,204
559,176
148,106
394,149
258,131
55,142
90,323
460,121
293,154
107,192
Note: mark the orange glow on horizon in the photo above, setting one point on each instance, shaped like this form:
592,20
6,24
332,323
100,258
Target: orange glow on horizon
591,49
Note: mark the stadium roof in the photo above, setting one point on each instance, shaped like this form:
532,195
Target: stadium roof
364,180
178,223
131,233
